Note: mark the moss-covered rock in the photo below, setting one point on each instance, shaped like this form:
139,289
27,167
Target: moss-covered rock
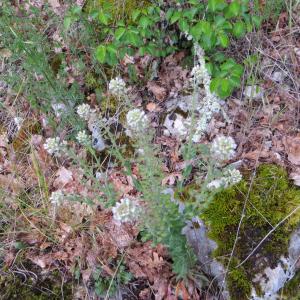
15,287
269,199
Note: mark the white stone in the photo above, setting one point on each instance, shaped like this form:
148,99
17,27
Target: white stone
253,92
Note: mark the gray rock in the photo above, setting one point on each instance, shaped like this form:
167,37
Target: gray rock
272,280
203,247
253,92
278,76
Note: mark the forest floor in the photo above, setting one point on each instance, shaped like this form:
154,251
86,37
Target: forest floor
77,251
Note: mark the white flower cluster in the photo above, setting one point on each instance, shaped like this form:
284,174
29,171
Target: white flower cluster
210,104
56,198
54,147
137,121
125,211
223,148
83,138
231,177
84,111
117,86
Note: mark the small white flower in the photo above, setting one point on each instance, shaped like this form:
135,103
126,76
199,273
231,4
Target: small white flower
216,184
232,177
125,211
188,36
83,138
117,86
56,198
137,120
53,146
84,111
59,108
19,122
200,74
223,148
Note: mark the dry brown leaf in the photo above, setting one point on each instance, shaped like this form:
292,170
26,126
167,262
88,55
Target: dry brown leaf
11,184
158,91
151,106
292,148
63,177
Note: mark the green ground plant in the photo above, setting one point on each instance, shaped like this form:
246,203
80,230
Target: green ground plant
160,30
271,198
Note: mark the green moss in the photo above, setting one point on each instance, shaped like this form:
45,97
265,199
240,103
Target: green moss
13,287
291,291
271,199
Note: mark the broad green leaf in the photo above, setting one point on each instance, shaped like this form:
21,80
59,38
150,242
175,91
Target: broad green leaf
101,53
133,38
239,29
214,5
169,13
223,40
183,25
104,17
228,65
144,22
119,33
235,81
135,14
175,17
232,10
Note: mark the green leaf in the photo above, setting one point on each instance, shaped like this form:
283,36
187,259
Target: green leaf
228,65
67,22
101,53
208,41
256,20
144,22
104,18
190,13
175,17
183,25
135,14
214,5
119,33
219,21
169,13
133,38
225,88
223,40
233,10
239,29
235,81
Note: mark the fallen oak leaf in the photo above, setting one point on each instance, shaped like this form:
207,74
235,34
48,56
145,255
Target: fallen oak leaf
292,148
159,92
63,177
